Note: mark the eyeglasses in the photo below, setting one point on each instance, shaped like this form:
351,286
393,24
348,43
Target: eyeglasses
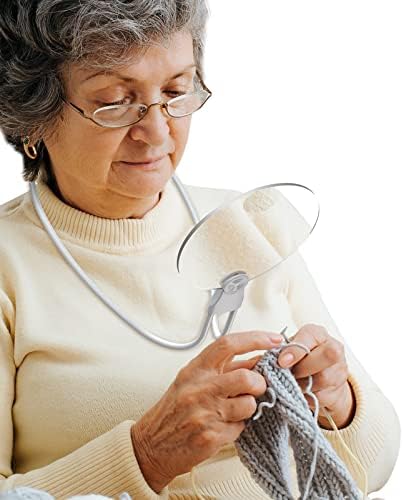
123,115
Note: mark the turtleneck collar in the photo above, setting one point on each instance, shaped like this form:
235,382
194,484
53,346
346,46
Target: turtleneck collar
157,229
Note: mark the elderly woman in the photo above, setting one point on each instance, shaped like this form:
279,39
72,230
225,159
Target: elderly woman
87,95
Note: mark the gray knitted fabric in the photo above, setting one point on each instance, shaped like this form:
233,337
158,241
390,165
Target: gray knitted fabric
26,493
264,443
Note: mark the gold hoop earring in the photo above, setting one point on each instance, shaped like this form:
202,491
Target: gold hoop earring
30,150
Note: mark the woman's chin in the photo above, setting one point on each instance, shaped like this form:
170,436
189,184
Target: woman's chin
139,182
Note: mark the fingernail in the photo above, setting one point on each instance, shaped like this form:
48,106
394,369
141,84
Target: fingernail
287,359
276,338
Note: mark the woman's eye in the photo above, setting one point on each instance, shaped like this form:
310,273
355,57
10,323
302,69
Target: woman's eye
175,93
126,100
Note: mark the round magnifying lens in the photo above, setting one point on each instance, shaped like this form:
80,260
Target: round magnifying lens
252,233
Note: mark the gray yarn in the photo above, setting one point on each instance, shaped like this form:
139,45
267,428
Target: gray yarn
263,445
25,493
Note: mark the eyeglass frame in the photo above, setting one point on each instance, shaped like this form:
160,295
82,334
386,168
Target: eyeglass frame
163,105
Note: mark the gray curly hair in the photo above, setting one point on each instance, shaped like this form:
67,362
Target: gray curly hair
39,38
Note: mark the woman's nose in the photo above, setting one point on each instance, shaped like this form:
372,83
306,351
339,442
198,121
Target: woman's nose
153,128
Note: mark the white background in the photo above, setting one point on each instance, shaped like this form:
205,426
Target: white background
311,92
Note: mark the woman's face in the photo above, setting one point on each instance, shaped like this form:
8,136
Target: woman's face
88,160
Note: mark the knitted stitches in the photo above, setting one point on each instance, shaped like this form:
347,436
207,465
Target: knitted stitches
263,445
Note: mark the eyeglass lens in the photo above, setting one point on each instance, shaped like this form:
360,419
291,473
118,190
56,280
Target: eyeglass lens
126,115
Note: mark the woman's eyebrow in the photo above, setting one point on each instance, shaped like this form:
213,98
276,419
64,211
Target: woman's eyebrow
131,79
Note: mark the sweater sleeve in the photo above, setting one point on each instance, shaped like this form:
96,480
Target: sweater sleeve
106,465
373,435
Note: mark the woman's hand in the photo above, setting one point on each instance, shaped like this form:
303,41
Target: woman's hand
203,409
328,366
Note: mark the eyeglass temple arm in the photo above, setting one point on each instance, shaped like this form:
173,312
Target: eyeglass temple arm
76,108
199,76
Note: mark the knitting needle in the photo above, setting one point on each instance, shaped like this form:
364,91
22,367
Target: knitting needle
284,335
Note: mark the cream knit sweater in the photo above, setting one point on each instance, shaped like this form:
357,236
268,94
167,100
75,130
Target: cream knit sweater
74,378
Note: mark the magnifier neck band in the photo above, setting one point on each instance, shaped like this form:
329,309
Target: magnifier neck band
94,288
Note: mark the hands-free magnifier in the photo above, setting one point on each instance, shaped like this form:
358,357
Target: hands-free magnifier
225,250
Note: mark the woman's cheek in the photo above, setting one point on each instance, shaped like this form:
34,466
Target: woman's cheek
180,134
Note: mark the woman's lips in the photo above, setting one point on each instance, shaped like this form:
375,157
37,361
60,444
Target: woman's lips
146,165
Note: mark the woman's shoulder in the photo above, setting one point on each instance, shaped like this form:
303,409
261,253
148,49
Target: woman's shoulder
10,207
12,219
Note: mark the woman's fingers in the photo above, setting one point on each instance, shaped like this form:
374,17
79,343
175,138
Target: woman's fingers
327,398
328,354
239,408
220,352
238,382
243,363
324,349
330,378
230,431
309,335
